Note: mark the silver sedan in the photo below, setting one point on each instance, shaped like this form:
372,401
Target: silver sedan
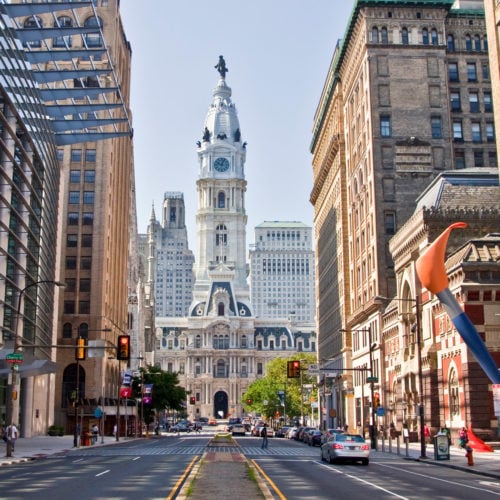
345,447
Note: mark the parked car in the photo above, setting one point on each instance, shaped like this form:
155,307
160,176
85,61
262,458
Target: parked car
281,433
180,427
330,432
203,420
292,432
298,433
313,437
343,446
212,421
303,431
256,430
238,430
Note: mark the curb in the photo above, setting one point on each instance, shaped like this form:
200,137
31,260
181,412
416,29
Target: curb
469,469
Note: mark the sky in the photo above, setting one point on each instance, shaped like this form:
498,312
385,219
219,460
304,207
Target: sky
277,52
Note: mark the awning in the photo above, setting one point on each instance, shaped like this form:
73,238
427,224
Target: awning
29,369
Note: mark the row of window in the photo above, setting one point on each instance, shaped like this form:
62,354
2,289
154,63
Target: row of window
75,176
82,330
72,240
76,197
85,262
90,39
431,37
77,155
474,101
471,71
70,307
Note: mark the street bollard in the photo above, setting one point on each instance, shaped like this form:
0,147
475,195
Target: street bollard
383,443
390,444
398,446
407,445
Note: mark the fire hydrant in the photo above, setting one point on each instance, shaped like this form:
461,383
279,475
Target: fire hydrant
468,454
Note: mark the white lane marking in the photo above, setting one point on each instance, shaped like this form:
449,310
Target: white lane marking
333,469
427,476
136,458
102,473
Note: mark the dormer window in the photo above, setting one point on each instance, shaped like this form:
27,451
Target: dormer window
220,309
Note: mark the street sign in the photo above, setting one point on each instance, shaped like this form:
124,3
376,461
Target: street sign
380,411
313,370
97,413
372,379
14,357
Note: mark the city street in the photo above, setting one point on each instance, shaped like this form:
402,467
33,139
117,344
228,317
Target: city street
151,468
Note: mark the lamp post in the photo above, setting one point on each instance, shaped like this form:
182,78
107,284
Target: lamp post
418,326
18,345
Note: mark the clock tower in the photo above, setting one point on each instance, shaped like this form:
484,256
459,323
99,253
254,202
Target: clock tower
221,217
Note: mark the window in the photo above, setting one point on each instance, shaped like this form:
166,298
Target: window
85,285
471,72
436,127
197,342
88,197
33,22
476,132
375,34
93,39
425,36
88,218
62,22
221,235
90,155
468,43
384,37
459,159
390,223
453,72
69,307
70,285
451,43
453,394
86,240
86,263
478,159
457,130
84,307
76,155
477,43
221,200
60,154
67,331
485,69
75,176
455,100
487,102
434,37
385,126
492,159
259,369
74,198
72,240
490,132
89,176
404,36
473,102
73,219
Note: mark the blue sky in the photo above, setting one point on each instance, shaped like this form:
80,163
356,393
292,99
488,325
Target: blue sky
277,52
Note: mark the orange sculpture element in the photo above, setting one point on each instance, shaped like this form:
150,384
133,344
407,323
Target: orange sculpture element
430,265
476,443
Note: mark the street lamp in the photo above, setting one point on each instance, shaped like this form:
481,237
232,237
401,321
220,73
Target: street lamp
15,385
418,326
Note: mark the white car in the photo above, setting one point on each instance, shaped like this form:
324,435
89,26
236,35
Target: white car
345,446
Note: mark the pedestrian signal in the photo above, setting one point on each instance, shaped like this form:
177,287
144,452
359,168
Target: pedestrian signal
80,351
293,369
192,400
123,347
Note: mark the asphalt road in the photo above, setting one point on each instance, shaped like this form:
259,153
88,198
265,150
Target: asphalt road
150,469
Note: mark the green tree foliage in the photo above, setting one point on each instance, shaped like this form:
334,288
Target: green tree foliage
167,393
266,389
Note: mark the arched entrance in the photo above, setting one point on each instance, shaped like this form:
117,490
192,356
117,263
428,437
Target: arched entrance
220,404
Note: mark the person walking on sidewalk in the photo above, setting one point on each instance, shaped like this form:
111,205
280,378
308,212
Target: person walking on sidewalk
263,434
11,433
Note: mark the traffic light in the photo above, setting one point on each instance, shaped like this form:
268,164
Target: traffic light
123,347
80,351
376,400
192,400
293,369
249,401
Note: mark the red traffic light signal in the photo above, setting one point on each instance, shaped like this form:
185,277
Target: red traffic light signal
123,347
249,401
293,369
80,351
192,400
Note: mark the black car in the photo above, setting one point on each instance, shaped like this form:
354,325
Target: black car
315,438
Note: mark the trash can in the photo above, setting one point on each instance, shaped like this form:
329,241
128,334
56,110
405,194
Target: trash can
441,447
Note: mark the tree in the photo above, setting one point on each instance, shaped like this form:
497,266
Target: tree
267,388
167,393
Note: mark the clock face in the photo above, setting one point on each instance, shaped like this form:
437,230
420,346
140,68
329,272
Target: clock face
221,164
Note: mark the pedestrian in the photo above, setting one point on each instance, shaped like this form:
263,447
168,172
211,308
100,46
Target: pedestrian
427,433
115,429
448,433
263,434
12,433
463,438
95,433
